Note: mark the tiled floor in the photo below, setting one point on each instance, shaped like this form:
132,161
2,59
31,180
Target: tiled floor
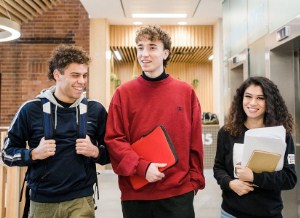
207,202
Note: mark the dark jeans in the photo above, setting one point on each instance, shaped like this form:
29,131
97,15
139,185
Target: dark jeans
175,207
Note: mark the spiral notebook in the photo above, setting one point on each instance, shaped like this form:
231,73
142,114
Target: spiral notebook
156,147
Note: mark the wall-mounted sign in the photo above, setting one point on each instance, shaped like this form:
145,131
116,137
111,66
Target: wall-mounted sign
207,139
235,60
283,33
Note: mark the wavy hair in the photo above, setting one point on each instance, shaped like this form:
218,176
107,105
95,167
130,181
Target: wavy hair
155,33
276,110
64,55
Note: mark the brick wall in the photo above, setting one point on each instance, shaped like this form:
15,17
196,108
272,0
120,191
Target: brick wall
23,63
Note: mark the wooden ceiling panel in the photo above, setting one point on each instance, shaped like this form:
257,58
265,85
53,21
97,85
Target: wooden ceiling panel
21,11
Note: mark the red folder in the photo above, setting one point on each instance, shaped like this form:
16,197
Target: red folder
156,147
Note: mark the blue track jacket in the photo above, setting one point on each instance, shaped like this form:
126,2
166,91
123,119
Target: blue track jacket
66,175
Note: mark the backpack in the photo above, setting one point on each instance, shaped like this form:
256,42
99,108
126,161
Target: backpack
49,134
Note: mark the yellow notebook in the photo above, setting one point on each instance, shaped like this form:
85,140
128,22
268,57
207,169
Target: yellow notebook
263,161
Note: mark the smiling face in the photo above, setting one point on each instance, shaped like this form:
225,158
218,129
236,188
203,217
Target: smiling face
254,104
71,84
151,55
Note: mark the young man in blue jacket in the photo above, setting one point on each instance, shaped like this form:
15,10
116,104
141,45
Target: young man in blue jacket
65,136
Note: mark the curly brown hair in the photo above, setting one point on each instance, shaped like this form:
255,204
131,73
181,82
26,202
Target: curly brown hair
276,109
63,55
155,33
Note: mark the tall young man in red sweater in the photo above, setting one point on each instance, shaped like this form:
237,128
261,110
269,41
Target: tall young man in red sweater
137,107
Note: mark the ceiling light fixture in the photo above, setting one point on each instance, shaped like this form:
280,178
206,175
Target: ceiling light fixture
211,57
10,30
118,55
159,15
181,23
137,23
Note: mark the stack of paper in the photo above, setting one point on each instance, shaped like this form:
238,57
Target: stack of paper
263,149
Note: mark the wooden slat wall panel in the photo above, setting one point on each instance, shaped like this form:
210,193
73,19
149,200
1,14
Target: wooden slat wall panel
179,54
183,71
122,35
12,191
190,35
125,72
201,72
2,190
21,179
2,179
190,44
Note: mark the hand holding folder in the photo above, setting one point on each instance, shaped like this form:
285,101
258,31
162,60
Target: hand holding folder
263,161
156,147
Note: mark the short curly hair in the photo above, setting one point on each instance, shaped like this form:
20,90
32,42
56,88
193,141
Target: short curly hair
276,110
64,55
155,33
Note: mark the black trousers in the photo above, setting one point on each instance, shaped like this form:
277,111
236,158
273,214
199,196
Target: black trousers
175,207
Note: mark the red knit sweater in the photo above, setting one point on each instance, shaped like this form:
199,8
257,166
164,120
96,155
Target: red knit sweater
137,107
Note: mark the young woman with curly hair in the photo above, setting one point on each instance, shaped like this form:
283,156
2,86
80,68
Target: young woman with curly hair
257,103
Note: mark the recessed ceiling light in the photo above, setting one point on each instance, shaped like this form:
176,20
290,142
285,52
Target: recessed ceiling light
137,23
211,57
181,23
159,15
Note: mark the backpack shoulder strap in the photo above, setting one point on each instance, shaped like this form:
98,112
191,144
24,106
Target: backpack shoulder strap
82,118
47,121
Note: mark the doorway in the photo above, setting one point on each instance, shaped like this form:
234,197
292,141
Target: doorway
238,71
284,72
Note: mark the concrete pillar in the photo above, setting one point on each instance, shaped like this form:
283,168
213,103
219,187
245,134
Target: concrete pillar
99,72
218,78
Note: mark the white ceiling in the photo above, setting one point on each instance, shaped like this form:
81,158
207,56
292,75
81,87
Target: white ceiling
118,12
